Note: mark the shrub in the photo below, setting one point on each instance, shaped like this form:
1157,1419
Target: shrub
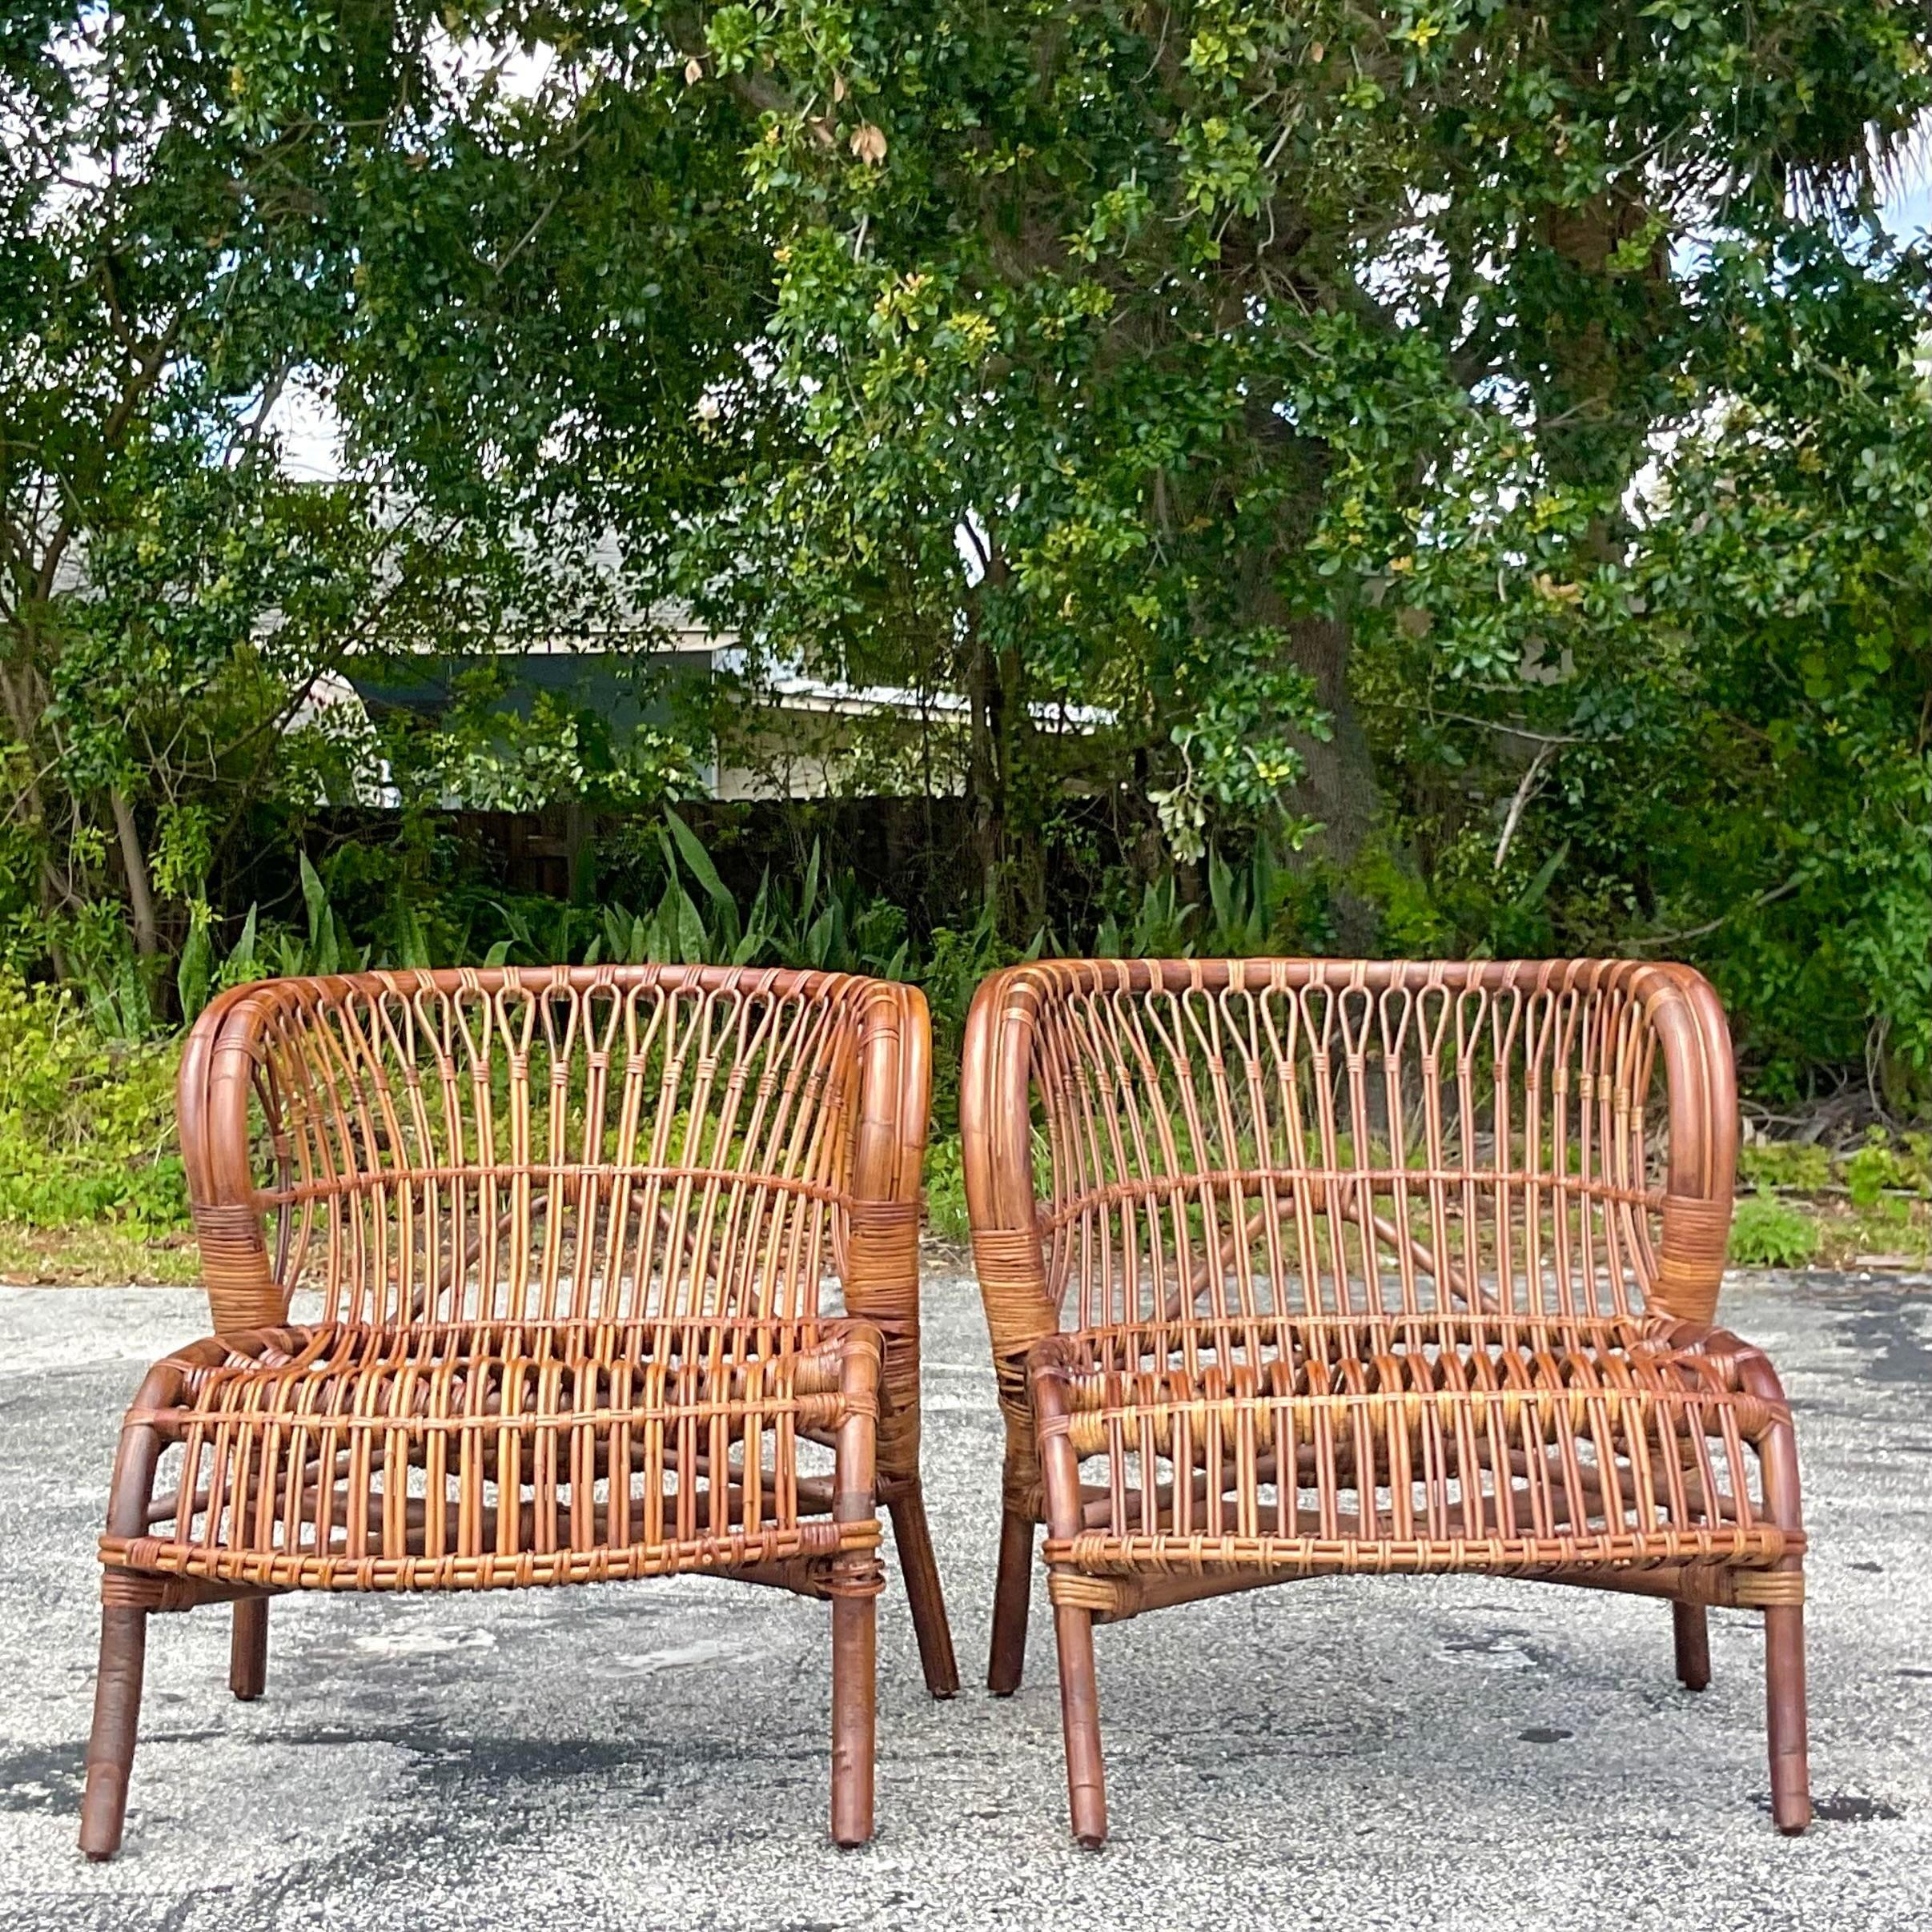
1785,1163
86,1125
1766,1232
1881,1164
945,1202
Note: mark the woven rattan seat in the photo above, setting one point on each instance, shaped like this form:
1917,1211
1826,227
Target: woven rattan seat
613,1273
1297,1268
1397,1433
543,1411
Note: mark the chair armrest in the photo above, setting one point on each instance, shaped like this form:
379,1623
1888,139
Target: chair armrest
879,1265
995,1132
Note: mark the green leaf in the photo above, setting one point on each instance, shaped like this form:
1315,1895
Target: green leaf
1532,893
661,946
699,861
820,935
314,895
693,944
809,897
195,969
240,964
1221,893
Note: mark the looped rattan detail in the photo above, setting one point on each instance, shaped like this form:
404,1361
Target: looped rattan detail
1303,1267
857,1580
615,1274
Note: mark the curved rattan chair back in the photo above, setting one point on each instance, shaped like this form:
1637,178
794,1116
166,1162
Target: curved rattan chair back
607,1143
1308,1138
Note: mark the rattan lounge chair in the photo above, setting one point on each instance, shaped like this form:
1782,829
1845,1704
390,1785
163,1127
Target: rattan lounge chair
1306,1267
565,1233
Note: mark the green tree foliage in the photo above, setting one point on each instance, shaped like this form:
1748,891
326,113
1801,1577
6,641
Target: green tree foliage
198,202
1720,729
1480,448
170,598
1108,330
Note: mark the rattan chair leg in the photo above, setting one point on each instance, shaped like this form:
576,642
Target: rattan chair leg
920,1567
854,1666
117,1716
1785,1720
1785,1716
1692,1628
248,1649
856,1580
1080,1716
1011,1597
1073,1624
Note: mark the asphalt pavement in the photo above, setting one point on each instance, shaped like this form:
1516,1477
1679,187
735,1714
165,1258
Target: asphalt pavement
1420,1753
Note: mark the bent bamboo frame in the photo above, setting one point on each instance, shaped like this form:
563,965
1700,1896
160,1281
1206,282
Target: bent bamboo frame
517,1279
1295,1267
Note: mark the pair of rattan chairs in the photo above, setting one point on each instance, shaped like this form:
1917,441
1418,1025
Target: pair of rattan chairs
1292,1268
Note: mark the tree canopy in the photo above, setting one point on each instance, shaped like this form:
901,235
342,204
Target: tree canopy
1480,453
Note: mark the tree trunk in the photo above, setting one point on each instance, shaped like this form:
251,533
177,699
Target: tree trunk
1006,849
23,706
984,792
1338,783
1027,789
133,862
1592,422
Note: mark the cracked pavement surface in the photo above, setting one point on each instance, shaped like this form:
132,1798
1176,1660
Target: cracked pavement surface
1434,1752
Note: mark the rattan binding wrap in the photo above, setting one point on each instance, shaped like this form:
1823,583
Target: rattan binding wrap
1296,1268
519,1278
